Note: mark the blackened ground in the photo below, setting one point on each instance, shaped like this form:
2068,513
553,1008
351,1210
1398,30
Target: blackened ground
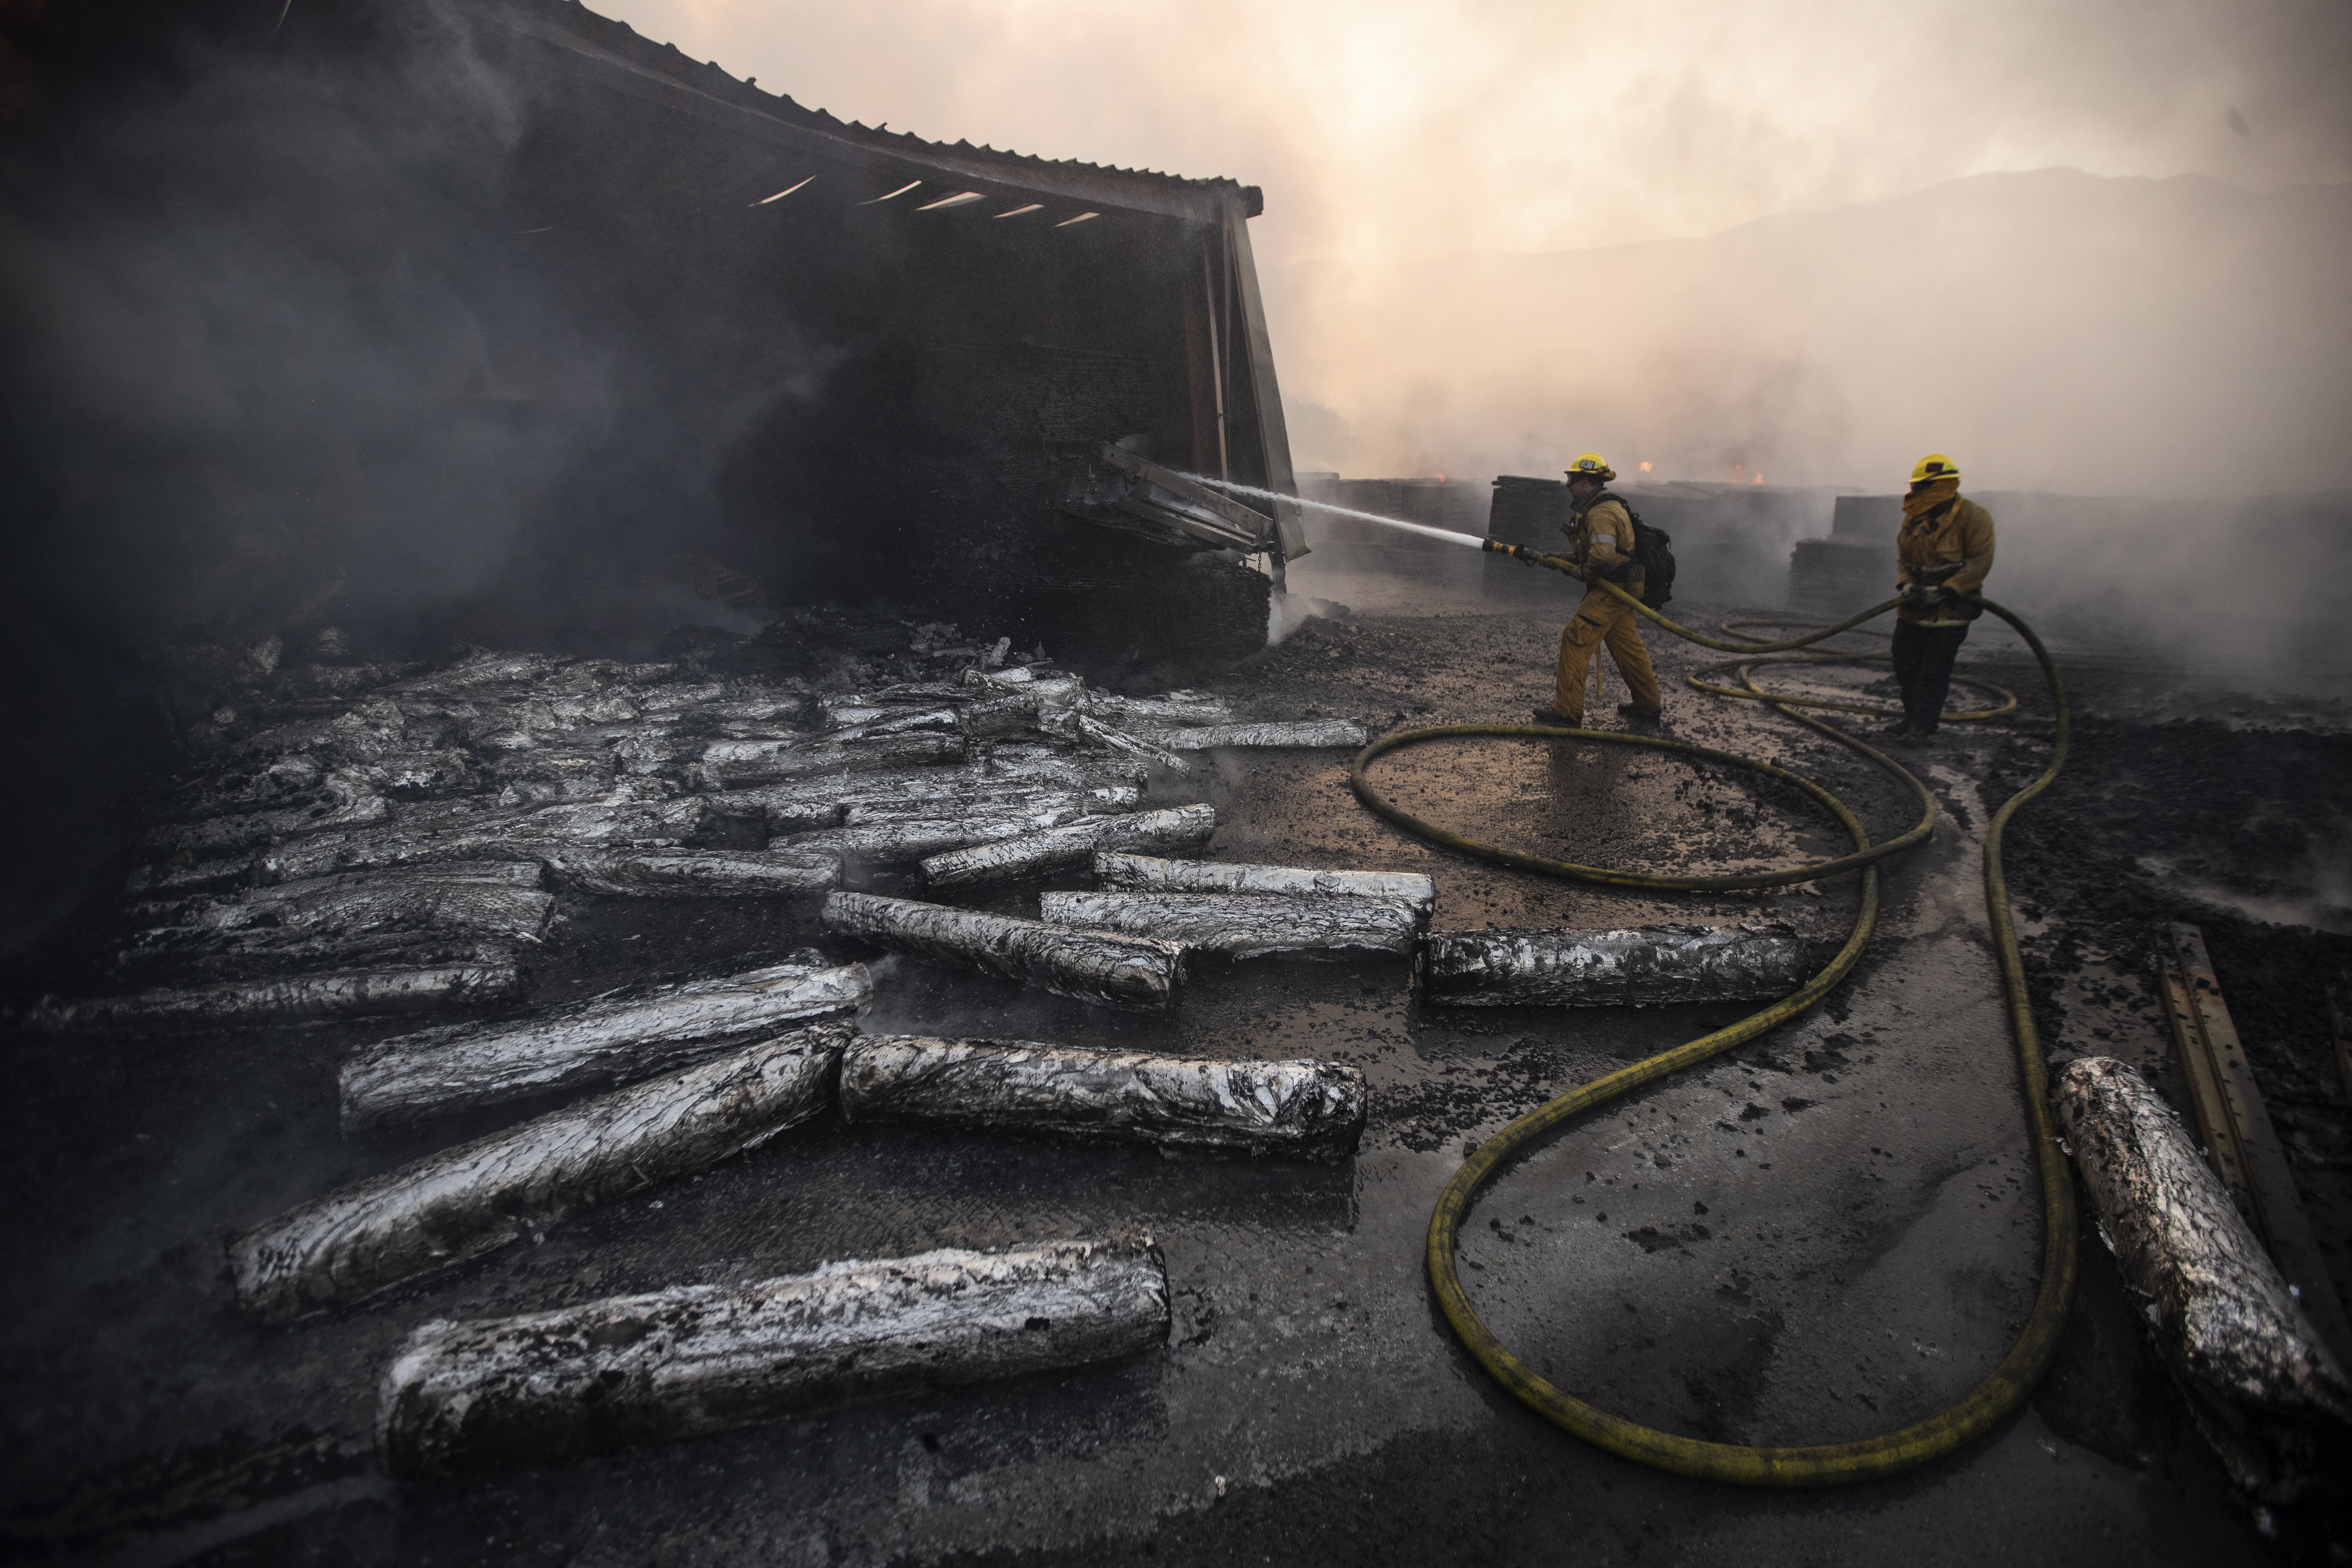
1825,1235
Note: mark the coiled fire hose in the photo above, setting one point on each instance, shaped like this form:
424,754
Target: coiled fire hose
2004,1389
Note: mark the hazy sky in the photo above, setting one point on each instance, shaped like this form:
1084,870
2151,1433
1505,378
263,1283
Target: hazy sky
1382,130
1385,134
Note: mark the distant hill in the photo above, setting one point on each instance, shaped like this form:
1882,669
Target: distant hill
2054,331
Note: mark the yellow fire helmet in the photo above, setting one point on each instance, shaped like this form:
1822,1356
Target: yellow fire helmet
1592,465
1933,466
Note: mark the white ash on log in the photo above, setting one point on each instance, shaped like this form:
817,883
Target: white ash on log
1172,709
1079,728
347,801
1309,1109
1239,925
607,1039
336,907
461,1203
804,804
1149,873
730,764
2271,1397
1070,846
905,840
1092,966
1309,733
1109,800
428,836
896,722
254,964
1011,713
695,873
1501,968
694,1359
292,999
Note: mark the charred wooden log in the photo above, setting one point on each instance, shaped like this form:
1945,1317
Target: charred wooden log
1170,710
1070,846
1240,925
730,764
1313,1110
2272,1400
426,836
696,1359
1346,733
1093,966
1013,801
695,873
290,999
904,841
308,913
458,1205
606,1039
1148,873
1613,968
346,800
808,803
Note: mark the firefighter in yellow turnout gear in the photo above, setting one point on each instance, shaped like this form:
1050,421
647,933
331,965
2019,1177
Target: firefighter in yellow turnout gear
1601,542
1944,549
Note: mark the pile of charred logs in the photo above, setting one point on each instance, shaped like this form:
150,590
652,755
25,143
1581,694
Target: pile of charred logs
371,839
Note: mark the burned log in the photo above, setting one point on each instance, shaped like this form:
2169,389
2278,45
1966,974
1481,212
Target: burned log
1313,1110
607,1039
426,836
903,841
318,912
1070,846
458,1205
695,873
1147,873
730,764
1239,925
1306,734
290,999
2272,1398
1092,966
1502,968
705,1358
347,801
804,804
1168,709
1019,800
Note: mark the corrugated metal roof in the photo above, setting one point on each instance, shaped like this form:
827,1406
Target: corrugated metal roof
570,23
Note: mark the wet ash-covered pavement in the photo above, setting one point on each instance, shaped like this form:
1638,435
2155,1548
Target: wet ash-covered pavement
1824,1235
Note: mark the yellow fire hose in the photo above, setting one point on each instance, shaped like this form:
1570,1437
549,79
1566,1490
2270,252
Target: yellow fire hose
2007,1386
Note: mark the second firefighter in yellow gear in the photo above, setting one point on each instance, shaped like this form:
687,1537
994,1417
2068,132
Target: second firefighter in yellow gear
1601,543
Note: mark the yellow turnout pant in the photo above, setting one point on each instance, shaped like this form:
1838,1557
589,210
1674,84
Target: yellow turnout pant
1602,619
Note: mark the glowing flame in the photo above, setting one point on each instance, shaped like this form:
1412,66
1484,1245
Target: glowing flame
1645,468
1757,481
1440,476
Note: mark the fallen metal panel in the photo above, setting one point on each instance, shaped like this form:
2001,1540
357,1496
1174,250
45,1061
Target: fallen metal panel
2236,1127
1093,966
1310,1108
697,1359
1239,925
1114,869
461,1203
1500,968
604,1040
2227,1320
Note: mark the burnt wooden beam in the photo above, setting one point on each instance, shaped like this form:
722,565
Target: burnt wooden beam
707,1358
1239,925
2235,1126
1501,968
1091,965
462,1203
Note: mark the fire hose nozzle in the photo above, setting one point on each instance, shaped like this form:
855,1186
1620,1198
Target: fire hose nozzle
1518,552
